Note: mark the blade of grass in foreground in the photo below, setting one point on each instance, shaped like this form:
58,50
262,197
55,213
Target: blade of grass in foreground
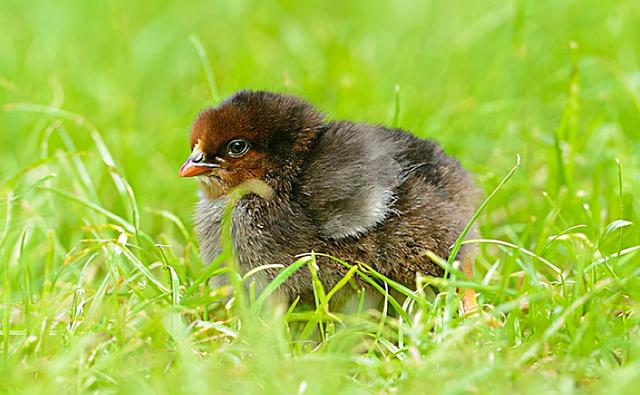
458,243
6,285
256,308
476,214
363,274
550,265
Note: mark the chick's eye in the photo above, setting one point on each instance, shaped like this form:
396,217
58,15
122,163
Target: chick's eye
237,147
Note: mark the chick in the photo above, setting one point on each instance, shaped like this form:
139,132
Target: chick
357,192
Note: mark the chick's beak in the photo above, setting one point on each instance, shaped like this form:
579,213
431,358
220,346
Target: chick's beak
195,166
192,169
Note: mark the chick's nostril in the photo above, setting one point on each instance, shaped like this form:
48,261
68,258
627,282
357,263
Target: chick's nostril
198,158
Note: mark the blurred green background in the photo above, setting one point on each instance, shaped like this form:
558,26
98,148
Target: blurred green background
557,82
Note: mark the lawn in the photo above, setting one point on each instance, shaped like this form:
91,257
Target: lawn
101,286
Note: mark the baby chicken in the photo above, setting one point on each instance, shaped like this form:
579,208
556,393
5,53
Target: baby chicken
357,192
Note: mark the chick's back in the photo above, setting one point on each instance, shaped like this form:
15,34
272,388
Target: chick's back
385,197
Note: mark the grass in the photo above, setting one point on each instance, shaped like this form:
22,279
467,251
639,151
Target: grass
102,290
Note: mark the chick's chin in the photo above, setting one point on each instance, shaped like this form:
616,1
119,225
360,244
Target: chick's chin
212,187
215,186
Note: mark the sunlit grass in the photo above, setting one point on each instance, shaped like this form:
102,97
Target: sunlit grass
101,286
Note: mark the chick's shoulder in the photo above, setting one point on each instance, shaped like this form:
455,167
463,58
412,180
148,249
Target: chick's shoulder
357,192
